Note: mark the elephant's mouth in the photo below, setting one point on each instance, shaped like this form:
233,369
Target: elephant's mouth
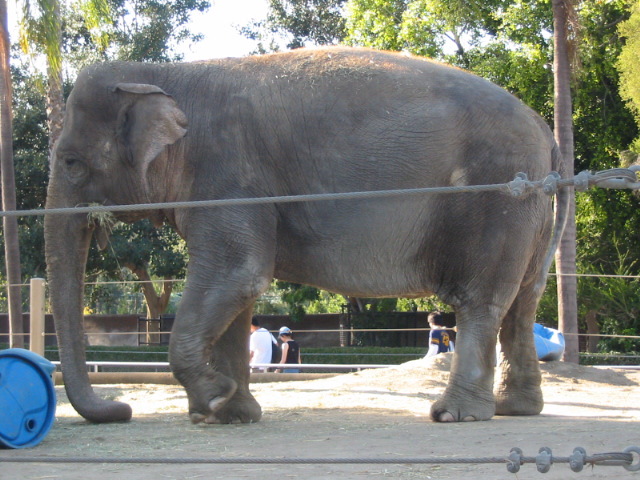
103,222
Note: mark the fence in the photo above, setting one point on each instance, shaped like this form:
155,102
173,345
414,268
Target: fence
353,328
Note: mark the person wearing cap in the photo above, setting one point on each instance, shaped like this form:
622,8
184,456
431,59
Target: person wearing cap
259,346
439,339
290,350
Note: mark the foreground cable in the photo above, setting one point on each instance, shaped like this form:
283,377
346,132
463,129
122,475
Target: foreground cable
629,459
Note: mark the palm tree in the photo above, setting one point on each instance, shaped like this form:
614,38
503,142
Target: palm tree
10,224
42,29
45,31
563,12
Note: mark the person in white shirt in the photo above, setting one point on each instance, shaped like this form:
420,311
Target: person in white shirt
260,346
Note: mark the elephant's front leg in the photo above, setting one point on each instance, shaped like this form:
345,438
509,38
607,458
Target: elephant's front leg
209,357
230,265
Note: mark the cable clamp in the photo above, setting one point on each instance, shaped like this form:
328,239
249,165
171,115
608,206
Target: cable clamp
515,460
544,460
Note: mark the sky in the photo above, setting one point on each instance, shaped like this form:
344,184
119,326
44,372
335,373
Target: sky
219,25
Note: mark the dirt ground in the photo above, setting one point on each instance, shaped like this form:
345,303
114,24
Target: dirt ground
370,414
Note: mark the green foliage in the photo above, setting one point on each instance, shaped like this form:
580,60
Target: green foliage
113,299
140,249
300,22
629,59
375,23
330,355
296,297
141,246
612,358
30,156
606,223
362,355
383,320
616,300
299,300
145,30
144,353
433,28
603,125
96,14
40,30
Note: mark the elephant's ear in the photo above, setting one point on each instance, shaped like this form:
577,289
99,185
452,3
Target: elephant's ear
148,123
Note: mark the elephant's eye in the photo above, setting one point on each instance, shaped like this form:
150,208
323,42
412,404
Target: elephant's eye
75,169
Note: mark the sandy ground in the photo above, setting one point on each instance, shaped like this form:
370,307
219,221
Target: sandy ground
370,414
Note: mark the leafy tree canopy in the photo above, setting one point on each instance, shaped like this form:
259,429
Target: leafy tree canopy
139,30
299,23
629,63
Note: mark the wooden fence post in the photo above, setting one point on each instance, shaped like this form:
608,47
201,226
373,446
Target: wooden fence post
36,314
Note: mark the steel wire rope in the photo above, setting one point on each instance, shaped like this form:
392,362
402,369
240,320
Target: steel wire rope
614,178
628,459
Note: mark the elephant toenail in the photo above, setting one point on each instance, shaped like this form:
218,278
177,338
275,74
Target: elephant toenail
196,418
216,403
447,417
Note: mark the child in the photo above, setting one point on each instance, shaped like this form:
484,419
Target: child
439,339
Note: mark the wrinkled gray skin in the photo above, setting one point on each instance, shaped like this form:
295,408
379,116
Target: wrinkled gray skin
336,120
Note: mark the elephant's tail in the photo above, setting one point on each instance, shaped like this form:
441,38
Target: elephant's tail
563,195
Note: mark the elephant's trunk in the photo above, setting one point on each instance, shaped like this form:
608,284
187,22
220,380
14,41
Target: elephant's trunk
67,240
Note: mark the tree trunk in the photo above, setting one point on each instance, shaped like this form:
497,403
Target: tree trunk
593,330
563,132
10,224
156,304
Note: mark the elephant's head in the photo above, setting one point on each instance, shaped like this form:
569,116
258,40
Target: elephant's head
115,134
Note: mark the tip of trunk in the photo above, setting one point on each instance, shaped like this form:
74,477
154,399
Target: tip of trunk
94,408
106,411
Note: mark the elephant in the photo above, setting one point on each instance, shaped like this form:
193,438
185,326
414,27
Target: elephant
311,121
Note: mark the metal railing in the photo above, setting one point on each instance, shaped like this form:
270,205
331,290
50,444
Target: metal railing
95,366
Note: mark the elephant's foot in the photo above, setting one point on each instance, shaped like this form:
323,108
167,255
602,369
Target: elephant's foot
242,408
208,395
442,411
222,400
521,402
458,408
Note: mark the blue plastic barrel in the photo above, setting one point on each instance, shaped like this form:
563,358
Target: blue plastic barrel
27,398
549,343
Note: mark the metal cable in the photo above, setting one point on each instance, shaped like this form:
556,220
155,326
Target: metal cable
254,461
617,178
228,202
629,459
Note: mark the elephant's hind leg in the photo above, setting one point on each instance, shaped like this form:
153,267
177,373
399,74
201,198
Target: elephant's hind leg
469,394
518,381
